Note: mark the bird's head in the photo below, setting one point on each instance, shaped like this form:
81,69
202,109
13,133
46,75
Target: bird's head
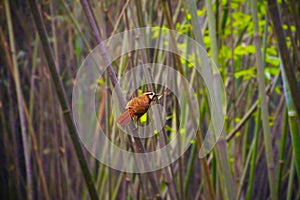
152,95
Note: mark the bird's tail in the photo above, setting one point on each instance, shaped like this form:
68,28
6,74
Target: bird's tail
125,118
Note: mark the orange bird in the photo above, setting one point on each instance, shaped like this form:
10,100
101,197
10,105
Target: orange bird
137,106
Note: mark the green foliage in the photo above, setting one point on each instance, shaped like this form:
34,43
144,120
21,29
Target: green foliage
71,38
246,74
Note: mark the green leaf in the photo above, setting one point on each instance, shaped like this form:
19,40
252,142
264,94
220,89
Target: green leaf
242,50
143,119
275,61
246,73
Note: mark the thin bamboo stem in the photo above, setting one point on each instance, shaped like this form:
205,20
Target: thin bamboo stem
62,99
227,181
74,22
26,147
114,81
291,179
284,54
293,121
263,102
282,152
254,156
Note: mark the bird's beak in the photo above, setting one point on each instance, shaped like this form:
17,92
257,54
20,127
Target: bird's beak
159,96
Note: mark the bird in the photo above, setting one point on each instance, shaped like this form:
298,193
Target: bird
137,106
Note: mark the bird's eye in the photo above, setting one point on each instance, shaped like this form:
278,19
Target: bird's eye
150,95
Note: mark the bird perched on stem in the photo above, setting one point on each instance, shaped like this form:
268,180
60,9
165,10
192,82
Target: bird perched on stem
137,106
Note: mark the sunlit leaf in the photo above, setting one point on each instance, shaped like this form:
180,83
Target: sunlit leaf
242,50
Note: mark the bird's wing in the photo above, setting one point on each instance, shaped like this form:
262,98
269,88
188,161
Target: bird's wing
138,105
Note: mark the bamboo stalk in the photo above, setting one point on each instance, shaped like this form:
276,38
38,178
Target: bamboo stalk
282,152
20,99
263,102
189,170
198,36
114,81
254,156
62,99
226,178
162,140
269,90
74,22
285,55
291,179
293,121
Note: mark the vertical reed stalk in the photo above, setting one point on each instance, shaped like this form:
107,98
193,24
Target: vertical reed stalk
291,178
293,121
114,81
263,102
62,99
282,152
284,54
226,177
254,156
20,99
